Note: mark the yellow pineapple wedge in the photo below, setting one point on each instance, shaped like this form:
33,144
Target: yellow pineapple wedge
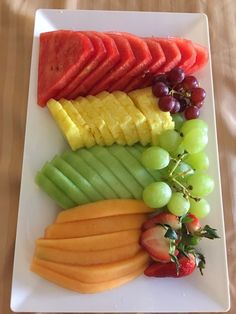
146,102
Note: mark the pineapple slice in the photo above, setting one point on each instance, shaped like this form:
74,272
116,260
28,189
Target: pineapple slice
146,102
140,122
79,121
69,129
100,120
82,104
107,110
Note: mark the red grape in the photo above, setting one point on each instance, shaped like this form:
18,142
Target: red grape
199,104
160,78
198,94
176,107
183,104
166,103
192,112
190,82
176,76
160,89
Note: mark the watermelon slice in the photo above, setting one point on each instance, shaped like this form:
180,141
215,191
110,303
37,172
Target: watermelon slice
61,55
158,59
99,56
111,59
143,59
188,53
201,59
171,52
121,68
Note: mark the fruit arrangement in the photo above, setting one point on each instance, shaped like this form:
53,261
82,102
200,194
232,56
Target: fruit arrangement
134,183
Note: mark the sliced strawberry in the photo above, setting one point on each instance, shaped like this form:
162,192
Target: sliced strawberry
99,56
163,218
158,59
194,224
127,61
156,244
110,61
62,54
201,59
143,59
186,266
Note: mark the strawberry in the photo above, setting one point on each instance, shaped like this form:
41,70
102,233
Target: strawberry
157,244
163,218
194,224
187,265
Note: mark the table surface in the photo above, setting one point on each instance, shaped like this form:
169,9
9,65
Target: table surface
16,31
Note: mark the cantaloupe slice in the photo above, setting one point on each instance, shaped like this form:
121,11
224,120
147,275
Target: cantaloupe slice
104,208
79,286
83,228
93,243
89,257
98,273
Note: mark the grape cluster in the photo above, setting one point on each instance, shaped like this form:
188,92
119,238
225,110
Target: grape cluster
182,163
179,93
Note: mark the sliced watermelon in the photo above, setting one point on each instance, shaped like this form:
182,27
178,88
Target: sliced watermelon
188,53
171,52
61,55
109,62
127,61
201,58
99,56
158,59
143,59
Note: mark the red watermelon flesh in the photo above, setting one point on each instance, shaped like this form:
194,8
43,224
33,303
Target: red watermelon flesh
109,62
188,53
99,56
171,52
158,59
121,68
201,59
61,55
143,59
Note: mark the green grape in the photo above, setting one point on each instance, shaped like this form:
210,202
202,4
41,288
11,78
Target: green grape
170,140
179,151
157,194
155,158
195,141
189,125
182,168
178,204
201,184
199,208
178,120
198,161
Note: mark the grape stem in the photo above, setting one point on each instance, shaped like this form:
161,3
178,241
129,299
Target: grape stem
183,188
177,162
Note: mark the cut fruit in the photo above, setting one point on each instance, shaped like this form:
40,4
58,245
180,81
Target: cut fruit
121,68
105,66
143,59
90,174
201,59
132,165
53,191
118,188
62,54
103,208
93,243
95,226
99,56
79,286
118,170
98,273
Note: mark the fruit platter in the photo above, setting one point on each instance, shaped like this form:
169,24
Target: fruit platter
120,196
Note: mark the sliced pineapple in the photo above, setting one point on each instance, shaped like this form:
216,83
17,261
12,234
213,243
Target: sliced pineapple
68,127
81,104
139,120
107,111
79,121
146,102
100,120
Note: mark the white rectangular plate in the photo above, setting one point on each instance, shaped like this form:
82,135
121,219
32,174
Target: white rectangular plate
209,293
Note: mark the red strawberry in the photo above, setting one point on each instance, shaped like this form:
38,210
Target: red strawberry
163,218
194,224
186,266
156,244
